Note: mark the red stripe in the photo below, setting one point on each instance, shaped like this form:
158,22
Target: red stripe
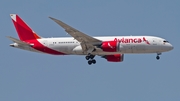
147,42
38,46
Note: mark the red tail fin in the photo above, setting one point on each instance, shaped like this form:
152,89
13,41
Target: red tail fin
23,30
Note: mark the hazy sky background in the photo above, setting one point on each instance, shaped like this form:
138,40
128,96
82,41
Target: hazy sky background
28,76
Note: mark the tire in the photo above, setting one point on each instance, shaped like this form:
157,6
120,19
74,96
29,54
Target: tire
92,56
89,62
94,61
157,57
87,57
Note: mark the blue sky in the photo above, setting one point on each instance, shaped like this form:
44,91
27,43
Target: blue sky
27,76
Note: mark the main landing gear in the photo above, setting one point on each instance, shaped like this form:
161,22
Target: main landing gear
90,59
158,57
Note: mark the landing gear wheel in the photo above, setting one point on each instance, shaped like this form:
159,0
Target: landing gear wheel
87,57
89,62
157,57
93,61
90,59
92,56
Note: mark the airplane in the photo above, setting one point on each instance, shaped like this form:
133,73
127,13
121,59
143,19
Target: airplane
112,48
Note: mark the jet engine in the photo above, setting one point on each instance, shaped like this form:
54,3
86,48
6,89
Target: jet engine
111,46
114,58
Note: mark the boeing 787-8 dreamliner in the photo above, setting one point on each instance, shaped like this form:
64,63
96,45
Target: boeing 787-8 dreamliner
112,48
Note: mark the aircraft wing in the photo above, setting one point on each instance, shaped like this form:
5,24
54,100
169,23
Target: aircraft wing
87,42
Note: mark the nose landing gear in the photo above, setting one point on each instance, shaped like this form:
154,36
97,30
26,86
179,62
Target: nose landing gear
158,57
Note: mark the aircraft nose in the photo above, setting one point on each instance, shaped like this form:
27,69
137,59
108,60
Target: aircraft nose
170,46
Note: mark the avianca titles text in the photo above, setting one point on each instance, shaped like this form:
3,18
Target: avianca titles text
131,40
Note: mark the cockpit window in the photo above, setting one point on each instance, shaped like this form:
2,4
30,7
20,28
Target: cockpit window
165,41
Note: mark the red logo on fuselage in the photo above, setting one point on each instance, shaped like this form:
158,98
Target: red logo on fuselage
132,40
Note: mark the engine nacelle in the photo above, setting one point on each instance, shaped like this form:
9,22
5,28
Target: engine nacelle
111,46
114,58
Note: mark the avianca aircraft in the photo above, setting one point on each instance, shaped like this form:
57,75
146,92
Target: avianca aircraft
112,48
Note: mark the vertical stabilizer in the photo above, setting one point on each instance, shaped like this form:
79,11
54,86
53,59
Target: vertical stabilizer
23,30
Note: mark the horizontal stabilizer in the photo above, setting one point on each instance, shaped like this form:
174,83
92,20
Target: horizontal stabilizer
18,41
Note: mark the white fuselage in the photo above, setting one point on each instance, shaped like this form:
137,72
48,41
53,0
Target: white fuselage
112,48
127,44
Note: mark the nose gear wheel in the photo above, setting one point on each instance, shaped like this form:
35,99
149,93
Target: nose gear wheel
158,57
